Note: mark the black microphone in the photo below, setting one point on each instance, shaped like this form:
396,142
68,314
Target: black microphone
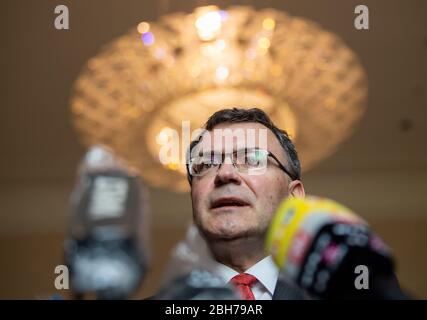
105,250
330,252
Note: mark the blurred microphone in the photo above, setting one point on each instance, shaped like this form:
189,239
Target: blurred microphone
189,274
197,285
330,252
105,250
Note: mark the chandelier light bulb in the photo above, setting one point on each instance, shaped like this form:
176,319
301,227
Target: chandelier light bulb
209,25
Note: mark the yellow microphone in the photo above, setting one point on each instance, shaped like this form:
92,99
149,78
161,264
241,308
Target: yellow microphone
318,244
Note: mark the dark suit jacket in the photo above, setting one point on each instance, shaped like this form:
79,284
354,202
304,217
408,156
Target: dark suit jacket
286,290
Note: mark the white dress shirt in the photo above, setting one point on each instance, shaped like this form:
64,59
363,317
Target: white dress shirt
264,270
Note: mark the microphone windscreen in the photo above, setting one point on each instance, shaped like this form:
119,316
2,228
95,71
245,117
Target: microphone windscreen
319,244
295,225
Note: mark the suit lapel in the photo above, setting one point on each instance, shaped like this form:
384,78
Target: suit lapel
279,291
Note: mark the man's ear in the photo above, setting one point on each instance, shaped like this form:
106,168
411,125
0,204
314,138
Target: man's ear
296,189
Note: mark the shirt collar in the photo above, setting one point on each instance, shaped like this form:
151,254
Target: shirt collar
264,270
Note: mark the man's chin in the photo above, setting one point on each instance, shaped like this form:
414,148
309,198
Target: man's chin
227,235
226,228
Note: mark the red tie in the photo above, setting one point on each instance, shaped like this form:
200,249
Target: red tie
243,283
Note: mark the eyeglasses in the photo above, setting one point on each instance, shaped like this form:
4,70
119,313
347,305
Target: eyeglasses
250,161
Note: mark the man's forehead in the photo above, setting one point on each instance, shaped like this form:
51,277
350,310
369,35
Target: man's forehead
236,135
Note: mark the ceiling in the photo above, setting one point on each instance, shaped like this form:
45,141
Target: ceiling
379,171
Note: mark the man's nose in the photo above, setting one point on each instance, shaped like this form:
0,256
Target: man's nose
227,173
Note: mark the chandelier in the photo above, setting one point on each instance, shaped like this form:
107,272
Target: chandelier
140,90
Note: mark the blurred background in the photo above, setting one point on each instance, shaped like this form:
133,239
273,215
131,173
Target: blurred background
380,171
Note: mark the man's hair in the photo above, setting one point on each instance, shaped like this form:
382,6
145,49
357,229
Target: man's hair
237,115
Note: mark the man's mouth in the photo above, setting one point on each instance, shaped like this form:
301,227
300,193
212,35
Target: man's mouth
228,202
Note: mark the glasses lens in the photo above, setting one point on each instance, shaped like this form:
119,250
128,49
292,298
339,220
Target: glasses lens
202,164
251,159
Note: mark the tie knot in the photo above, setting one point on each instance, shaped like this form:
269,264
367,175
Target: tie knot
244,279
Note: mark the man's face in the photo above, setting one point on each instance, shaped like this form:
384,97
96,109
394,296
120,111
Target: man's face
228,204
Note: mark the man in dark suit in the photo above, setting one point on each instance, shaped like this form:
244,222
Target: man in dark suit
240,169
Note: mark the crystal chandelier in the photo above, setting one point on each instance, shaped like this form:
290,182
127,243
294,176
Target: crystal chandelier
135,94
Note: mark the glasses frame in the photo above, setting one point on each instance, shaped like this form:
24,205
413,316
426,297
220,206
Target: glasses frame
269,154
